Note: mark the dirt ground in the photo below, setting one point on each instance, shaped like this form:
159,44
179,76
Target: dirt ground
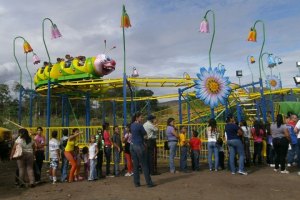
261,183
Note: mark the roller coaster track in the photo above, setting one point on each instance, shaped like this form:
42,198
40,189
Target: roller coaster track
96,87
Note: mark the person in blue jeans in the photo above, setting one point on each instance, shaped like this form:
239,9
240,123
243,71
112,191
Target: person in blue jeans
138,151
183,143
117,143
64,161
235,145
172,137
212,137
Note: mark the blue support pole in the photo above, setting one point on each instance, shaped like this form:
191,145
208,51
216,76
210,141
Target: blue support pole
179,106
124,99
212,113
114,112
87,116
257,109
239,112
263,100
48,115
131,105
67,111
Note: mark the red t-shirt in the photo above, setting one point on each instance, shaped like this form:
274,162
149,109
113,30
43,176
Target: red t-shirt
106,138
195,143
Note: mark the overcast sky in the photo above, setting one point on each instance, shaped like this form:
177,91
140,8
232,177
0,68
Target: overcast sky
164,40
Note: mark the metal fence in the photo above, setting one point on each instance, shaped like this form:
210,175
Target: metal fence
83,139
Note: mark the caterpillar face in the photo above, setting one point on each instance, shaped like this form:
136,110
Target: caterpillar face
104,65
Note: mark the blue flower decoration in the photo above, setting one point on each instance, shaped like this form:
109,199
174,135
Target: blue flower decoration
273,82
212,87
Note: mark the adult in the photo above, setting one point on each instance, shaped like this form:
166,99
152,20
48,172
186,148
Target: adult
69,152
172,137
107,147
40,152
233,133
64,161
212,137
257,134
25,162
246,136
281,138
138,150
152,132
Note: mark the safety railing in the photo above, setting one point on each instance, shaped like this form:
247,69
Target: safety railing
83,139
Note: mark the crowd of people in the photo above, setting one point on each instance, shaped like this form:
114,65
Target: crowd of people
139,143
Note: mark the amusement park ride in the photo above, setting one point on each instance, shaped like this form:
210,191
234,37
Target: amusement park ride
85,77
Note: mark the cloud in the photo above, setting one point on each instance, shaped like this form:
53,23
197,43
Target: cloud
164,38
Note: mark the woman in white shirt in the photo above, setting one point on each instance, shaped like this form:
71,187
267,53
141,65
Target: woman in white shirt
246,136
212,136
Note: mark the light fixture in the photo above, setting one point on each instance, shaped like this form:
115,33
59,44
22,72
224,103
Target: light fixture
297,80
134,73
252,35
36,59
186,76
26,46
252,60
239,73
298,64
204,26
55,32
271,61
279,61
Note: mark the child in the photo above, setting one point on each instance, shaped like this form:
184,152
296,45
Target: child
221,153
116,139
54,155
183,143
93,151
100,144
127,141
86,164
195,144
77,158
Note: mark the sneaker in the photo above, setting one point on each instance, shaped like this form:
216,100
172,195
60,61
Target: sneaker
298,173
243,173
233,173
127,174
54,182
131,174
275,170
284,172
110,175
272,165
289,165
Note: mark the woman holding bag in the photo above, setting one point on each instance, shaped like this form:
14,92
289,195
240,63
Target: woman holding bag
25,161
